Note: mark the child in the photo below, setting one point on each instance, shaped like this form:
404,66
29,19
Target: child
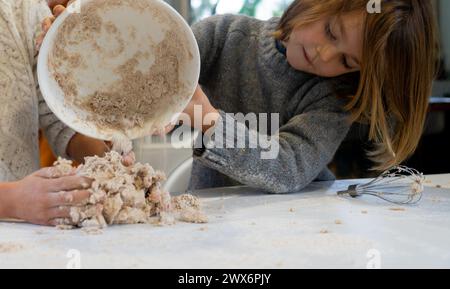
43,197
305,66
322,66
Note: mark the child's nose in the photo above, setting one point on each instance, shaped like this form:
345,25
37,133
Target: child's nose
326,53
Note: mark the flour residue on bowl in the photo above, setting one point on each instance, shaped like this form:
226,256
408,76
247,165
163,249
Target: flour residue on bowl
118,76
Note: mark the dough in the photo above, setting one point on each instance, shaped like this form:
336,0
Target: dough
128,195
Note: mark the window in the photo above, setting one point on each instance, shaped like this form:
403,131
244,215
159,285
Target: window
262,9
195,10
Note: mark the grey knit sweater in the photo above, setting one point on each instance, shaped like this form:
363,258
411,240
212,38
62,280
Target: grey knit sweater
244,72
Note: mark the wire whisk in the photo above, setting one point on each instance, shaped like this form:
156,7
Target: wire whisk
400,185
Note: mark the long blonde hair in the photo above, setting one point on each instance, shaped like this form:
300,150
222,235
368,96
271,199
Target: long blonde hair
399,64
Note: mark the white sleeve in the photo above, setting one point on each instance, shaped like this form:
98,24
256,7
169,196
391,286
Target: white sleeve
56,132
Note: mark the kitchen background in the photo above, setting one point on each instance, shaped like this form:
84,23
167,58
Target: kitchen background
432,156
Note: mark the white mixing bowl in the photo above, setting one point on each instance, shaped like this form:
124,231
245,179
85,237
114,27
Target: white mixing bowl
98,72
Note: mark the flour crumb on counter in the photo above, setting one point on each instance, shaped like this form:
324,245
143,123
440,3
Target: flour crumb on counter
187,209
338,222
397,209
128,195
435,200
92,231
10,248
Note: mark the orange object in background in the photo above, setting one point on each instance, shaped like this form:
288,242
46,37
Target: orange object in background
47,158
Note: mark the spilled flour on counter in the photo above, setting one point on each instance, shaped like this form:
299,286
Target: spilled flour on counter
134,83
10,248
128,195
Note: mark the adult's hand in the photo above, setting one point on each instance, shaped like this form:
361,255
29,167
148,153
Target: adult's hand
57,7
46,197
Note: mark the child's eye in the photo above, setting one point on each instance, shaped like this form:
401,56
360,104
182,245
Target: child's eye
329,32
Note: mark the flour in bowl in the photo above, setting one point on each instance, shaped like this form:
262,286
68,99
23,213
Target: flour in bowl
121,76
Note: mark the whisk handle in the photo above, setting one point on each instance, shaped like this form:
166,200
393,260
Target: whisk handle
350,191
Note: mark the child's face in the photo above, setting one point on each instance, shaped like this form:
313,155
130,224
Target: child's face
329,47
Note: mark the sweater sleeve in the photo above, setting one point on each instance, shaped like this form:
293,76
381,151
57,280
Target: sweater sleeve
291,158
56,132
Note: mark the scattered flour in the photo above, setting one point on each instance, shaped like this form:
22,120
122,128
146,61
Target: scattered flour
397,209
121,144
10,248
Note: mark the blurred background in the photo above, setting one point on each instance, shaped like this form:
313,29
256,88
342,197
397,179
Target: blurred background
432,156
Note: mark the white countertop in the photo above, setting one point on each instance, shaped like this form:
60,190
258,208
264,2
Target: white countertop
247,229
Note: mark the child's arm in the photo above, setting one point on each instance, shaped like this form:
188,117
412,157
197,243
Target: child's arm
306,143
293,158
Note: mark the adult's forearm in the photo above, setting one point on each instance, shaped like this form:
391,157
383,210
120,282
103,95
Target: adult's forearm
6,201
81,146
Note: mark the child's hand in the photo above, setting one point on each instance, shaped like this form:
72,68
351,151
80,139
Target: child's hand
57,7
129,159
45,197
201,100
